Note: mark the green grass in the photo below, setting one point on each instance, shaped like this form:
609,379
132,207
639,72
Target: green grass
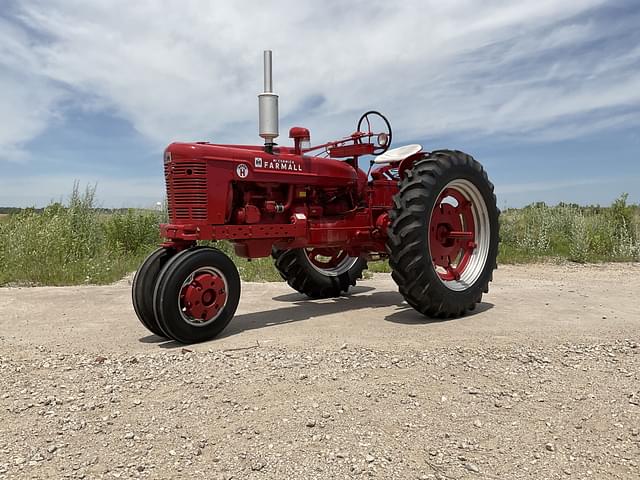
77,243
74,243
571,232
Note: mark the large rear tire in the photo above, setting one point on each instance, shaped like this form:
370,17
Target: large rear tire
319,272
443,236
143,286
196,295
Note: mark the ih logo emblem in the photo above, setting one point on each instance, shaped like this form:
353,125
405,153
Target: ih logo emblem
242,170
258,162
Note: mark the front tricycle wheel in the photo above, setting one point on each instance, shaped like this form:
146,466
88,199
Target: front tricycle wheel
443,237
197,295
319,272
143,286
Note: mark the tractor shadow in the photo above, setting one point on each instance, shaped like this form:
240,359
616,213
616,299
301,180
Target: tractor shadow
409,316
301,308
299,297
153,338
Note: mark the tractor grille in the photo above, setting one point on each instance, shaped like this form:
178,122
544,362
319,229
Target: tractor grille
186,190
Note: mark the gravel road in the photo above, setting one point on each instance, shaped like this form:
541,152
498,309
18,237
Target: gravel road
541,382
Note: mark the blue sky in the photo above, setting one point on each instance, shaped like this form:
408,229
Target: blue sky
545,94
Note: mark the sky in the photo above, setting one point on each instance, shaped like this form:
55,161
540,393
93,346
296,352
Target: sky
545,94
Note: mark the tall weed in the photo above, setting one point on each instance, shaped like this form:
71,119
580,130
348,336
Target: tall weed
580,234
75,243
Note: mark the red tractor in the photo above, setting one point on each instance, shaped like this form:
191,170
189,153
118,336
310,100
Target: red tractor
432,214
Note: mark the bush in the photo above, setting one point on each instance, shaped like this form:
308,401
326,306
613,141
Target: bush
580,234
131,232
73,243
77,243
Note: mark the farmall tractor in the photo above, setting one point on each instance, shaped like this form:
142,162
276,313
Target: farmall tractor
432,214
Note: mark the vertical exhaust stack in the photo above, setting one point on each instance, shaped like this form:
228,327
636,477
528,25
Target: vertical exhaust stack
268,107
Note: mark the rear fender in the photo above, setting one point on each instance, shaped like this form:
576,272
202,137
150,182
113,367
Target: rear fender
408,162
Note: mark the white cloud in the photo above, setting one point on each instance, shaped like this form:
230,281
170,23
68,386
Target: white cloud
536,70
27,191
27,106
191,70
27,100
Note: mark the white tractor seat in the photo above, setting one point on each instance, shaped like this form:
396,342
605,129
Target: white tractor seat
398,154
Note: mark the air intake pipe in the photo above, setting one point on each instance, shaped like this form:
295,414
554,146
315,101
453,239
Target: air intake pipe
268,107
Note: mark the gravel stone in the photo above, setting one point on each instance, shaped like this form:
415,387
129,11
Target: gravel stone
86,392
472,467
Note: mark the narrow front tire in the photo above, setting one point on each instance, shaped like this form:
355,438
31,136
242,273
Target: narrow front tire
143,286
319,272
196,295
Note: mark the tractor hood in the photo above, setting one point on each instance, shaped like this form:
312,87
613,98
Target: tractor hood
261,166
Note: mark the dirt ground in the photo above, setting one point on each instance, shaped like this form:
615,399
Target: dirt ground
541,382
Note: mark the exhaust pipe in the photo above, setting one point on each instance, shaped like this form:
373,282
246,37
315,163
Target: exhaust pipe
268,107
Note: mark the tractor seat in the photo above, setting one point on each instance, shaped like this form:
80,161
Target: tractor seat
398,154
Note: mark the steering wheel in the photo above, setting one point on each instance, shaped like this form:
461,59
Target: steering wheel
383,139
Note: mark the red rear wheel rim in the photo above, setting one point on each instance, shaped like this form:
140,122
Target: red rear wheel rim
452,234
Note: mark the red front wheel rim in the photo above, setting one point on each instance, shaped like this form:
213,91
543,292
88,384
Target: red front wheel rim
203,296
330,261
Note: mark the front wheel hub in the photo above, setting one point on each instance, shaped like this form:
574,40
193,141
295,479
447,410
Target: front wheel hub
203,296
330,261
